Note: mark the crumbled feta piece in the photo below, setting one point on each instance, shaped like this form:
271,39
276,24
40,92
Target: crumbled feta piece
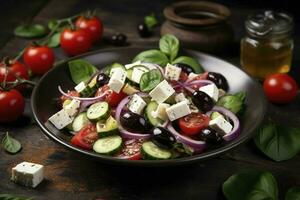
73,107
181,97
220,125
28,174
137,73
80,87
172,72
117,80
61,119
162,92
211,90
136,104
192,75
160,111
128,66
178,110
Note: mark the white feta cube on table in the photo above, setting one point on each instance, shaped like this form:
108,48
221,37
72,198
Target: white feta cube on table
136,104
181,97
61,119
211,90
162,92
128,66
160,111
178,110
137,73
172,72
192,75
221,125
117,80
28,174
80,87
73,107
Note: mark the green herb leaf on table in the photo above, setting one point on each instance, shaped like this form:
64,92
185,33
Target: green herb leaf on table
191,62
30,31
234,103
278,142
150,21
10,144
81,70
54,40
251,185
150,80
152,56
169,45
13,197
293,194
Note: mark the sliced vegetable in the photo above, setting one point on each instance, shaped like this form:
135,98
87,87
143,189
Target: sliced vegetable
193,123
108,145
151,107
80,121
86,137
153,152
131,150
98,111
107,128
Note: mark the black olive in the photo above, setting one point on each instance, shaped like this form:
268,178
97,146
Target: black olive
119,39
163,138
134,122
210,136
143,30
185,68
202,101
219,80
102,79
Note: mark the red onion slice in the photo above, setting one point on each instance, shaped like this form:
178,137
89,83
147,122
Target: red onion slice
236,130
81,98
199,82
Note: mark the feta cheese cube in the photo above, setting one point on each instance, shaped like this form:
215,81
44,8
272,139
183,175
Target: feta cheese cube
137,73
61,119
136,104
181,97
73,107
80,87
128,66
211,90
162,92
28,174
117,80
178,110
192,75
220,125
160,111
172,72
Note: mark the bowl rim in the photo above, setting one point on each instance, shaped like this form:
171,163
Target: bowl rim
146,163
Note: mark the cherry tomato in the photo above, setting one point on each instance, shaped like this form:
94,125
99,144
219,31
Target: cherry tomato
112,98
72,93
92,25
280,88
75,42
131,150
12,105
193,123
39,59
86,137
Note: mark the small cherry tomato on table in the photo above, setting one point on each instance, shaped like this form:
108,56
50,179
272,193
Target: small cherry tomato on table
39,59
280,88
75,42
91,25
112,98
193,123
12,105
86,137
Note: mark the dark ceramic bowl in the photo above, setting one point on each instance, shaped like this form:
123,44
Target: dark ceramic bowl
44,104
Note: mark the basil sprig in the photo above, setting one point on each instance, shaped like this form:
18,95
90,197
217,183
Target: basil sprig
81,70
191,62
150,80
169,45
233,102
10,144
152,56
30,31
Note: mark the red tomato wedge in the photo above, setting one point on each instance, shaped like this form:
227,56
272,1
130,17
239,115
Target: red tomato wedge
131,150
86,137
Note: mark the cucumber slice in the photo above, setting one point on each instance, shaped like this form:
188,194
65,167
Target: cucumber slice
116,66
152,106
129,89
108,145
129,74
153,152
66,102
98,111
171,100
80,121
215,114
107,128
88,91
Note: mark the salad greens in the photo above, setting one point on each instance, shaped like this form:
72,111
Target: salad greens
10,144
81,70
150,80
234,103
30,31
152,56
169,45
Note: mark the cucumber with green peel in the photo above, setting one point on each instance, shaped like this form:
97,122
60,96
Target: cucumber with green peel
116,66
151,151
151,107
98,111
80,121
66,102
107,128
215,114
88,91
129,89
171,100
129,74
108,145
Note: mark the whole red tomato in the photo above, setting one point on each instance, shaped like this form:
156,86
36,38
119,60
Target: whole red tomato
12,105
92,25
39,59
75,42
280,88
13,69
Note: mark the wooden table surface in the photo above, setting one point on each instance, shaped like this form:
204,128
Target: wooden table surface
72,176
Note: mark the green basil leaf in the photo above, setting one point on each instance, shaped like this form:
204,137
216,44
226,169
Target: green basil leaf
52,24
54,41
10,144
150,80
13,197
278,142
191,62
169,45
251,185
150,21
30,31
152,56
293,194
81,70
234,103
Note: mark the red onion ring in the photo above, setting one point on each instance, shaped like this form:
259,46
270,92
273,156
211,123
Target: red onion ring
199,82
236,130
81,98
153,66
